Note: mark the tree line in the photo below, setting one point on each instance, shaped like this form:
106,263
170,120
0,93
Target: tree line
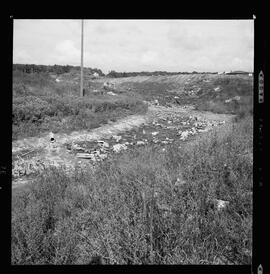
115,74
56,69
60,69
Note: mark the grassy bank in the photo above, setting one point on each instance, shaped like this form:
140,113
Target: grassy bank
144,207
41,105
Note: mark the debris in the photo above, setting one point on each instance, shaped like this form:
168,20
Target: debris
220,204
117,138
237,98
103,143
84,155
118,147
155,133
184,135
217,89
180,182
156,102
52,139
111,93
103,156
140,143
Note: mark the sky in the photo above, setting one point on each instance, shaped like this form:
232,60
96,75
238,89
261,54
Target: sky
137,45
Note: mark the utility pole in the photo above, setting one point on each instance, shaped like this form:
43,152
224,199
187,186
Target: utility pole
81,87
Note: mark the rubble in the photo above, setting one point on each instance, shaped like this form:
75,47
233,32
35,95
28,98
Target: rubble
118,147
184,135
117,138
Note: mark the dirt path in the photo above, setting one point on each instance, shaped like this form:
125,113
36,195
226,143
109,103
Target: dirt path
45,154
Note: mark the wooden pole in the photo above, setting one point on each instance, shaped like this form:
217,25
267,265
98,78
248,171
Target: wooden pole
81,87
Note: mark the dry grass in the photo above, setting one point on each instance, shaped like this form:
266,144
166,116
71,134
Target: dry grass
116,211
40,105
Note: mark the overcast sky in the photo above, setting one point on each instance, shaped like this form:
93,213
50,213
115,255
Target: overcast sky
137,45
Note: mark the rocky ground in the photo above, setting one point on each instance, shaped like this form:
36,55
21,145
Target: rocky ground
160,127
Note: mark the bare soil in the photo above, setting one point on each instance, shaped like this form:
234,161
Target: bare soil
160,126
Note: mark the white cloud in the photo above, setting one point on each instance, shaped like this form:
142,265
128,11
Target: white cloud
149,57
135,45
66,51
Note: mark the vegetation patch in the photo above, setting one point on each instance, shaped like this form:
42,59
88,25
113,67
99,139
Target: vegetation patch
144,207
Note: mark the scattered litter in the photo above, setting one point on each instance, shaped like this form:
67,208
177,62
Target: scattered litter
118,147
184,135
111,93
180,182
84,155
220,204
103,143
117,138
140,143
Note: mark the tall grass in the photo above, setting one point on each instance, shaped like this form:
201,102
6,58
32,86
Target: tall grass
40,105
131,211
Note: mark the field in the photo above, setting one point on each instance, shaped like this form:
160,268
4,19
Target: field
179,191
41,105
